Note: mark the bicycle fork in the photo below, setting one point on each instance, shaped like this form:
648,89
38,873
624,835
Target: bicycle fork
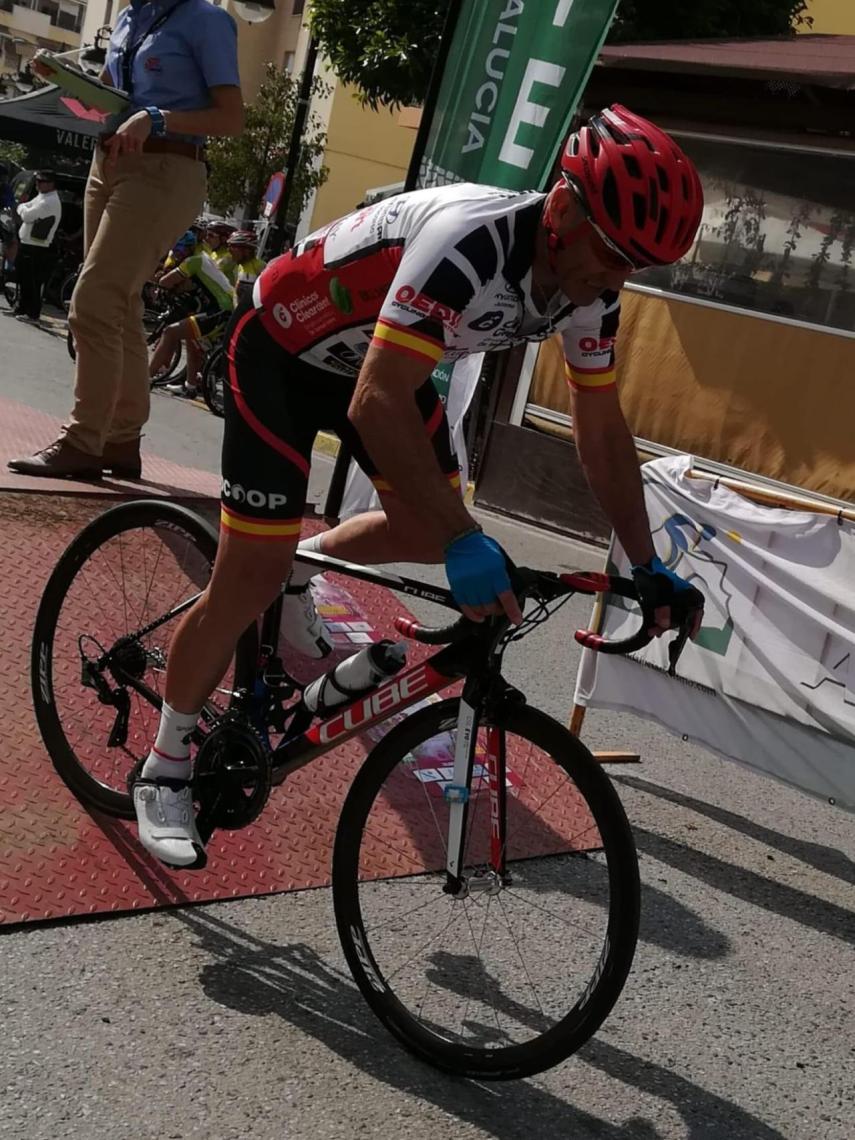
458,795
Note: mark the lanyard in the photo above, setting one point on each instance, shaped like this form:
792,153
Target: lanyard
129,51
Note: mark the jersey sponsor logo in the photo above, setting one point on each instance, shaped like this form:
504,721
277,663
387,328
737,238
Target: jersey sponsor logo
487,321
282,316
305,308
591,345
412,299
393,211
237,493
341,297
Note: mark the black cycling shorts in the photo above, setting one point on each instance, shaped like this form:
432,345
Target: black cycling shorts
275,405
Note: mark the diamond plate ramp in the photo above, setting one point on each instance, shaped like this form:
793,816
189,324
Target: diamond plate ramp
24,430
59,860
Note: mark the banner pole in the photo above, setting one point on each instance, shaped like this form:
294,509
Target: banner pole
432,95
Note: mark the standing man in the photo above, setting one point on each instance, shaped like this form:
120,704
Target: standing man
39,222
177,60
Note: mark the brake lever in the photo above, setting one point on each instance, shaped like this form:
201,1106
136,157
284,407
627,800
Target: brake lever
678,643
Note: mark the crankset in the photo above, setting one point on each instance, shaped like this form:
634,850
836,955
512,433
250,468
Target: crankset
232,778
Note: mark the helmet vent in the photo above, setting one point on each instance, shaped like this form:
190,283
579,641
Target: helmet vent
611,199
639,206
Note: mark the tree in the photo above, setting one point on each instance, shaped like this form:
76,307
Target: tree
12,152
706,19
387,48
241,167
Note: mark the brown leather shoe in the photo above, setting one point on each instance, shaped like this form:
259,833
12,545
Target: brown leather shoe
59,460
122,460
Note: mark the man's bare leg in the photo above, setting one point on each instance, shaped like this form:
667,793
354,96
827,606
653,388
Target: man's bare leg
247,577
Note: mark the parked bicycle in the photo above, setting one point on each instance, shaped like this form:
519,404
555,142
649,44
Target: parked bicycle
484,878
160,311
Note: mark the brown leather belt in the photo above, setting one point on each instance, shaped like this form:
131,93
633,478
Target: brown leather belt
173,146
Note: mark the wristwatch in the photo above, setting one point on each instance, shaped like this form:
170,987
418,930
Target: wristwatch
158,123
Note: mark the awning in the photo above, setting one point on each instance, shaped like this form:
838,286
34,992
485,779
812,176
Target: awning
51,121
824,61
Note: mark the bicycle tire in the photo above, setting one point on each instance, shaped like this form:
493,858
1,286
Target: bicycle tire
594,1002
48,674
213,379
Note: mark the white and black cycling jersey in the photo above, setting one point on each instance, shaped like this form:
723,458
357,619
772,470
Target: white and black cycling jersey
435,274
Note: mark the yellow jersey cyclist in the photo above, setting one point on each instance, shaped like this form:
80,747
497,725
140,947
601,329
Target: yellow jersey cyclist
344,331
217,235
200,273
242,247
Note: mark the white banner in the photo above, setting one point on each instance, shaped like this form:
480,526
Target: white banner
359,494
770,682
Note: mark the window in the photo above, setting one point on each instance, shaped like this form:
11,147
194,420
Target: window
777,235
297,10
288,62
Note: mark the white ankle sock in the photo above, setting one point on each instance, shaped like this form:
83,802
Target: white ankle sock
300,572
170,755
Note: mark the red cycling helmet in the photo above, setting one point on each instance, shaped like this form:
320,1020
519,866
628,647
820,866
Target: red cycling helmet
639,190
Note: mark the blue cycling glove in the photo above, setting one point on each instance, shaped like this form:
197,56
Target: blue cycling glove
476,569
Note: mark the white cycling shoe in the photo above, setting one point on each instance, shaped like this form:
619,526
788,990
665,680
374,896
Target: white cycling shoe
167,823
302,627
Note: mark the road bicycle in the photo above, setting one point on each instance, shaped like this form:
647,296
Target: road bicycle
214,379
484,877
159,312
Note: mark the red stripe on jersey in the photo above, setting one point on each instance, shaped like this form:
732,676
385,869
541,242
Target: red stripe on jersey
246,412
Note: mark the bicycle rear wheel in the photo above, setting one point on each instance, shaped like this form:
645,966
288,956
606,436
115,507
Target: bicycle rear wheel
214,380
132,565
518,974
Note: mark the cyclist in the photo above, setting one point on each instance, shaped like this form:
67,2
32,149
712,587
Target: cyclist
217,235
344,331
243,246
197,272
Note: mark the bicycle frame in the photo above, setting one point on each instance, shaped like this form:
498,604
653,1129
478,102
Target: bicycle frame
475,660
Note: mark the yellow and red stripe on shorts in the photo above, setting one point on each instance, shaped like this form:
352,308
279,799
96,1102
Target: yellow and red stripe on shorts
593,380
263,530
408,341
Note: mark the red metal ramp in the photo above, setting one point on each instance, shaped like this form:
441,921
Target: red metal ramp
58,860
24,430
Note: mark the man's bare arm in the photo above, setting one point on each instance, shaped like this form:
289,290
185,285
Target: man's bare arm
384,412
610,462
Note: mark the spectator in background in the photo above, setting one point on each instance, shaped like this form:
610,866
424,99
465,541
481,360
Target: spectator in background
39,222
177,60
242,247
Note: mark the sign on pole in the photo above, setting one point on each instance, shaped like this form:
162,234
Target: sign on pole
515,72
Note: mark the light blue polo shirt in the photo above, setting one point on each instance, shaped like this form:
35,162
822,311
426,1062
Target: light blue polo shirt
194,49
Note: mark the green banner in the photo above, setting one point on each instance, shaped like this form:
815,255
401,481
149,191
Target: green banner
514,75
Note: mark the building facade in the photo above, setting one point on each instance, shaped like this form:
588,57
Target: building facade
28,25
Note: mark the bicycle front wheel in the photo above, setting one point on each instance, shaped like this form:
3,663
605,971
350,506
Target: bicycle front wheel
128,569
516,971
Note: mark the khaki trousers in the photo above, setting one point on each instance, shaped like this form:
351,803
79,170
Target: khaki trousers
133,213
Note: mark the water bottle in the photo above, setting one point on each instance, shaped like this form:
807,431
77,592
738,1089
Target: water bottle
356,675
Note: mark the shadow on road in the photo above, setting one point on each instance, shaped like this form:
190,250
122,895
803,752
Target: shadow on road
828,860
292,981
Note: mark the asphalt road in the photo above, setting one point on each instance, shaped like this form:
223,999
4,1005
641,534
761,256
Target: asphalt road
239,1019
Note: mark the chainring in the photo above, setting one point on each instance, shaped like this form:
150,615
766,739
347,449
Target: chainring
232,775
